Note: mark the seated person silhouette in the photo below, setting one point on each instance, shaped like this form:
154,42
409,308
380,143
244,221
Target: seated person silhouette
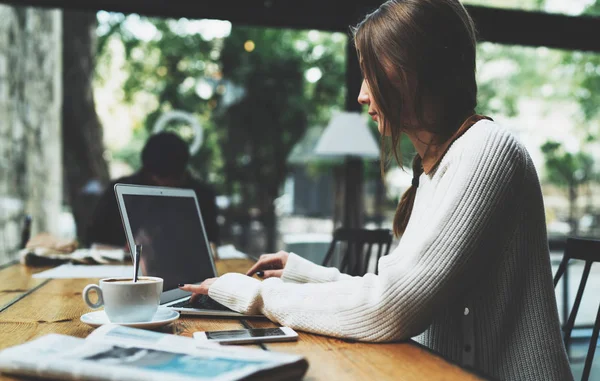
164,160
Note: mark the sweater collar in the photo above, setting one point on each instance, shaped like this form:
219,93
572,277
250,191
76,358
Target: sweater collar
434,153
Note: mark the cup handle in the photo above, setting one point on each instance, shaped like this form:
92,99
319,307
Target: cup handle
86,297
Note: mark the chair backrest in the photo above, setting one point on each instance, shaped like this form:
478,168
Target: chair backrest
25,232
359,244
584,249
587,250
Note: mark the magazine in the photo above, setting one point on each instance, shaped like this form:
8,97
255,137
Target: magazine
114,352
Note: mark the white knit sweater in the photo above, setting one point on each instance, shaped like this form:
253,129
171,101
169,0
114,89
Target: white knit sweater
471,276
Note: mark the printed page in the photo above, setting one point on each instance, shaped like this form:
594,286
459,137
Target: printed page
64,357
151,339
69,271
239,360
131,336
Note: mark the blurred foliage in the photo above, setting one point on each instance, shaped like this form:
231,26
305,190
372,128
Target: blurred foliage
250,91
131,154
166,66
275,107
255,102
572,170
537,5
568,170
551,75
565,168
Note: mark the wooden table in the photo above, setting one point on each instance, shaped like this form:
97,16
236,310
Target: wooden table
30,308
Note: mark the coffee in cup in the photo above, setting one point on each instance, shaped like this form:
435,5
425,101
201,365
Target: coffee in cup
125,301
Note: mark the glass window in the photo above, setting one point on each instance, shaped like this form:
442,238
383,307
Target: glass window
568,7
259,94
549,98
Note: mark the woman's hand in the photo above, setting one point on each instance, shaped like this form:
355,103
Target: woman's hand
198,289
269,265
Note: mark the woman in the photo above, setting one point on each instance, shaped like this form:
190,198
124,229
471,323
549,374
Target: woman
471,276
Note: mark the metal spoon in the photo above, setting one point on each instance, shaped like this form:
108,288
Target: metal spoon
136,262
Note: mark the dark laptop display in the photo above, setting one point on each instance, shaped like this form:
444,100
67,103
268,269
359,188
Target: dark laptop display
167,222
172,237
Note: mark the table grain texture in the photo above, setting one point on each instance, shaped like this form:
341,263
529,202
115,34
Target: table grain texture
30,308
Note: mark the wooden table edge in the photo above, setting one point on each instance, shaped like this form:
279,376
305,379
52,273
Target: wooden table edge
8,264
467,369
245,322
20,293
24,295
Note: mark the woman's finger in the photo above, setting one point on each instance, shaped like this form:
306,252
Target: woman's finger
195,288
272,274
265,262
265,258
253,269
198,289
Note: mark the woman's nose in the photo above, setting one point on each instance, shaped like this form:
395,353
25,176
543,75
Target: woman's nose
363,95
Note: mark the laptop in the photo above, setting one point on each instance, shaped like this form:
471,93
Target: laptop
168,224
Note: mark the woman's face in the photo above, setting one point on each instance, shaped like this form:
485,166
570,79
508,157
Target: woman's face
364,98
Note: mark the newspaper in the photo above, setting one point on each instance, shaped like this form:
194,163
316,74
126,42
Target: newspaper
114,352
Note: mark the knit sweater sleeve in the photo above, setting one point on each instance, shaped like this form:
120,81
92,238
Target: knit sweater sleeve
443,251
301,270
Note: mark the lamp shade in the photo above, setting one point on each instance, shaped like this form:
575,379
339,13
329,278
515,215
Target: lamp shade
304,151
347,134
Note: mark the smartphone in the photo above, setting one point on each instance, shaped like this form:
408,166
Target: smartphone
243,336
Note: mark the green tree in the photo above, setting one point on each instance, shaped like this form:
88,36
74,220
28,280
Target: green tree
83,148
569,170
247,137
259,130
585,71
170,66
258,105
510,74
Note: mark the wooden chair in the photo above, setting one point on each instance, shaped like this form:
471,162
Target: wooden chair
587,250
355,258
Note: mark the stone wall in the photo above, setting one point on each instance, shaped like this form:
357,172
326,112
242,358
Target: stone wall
30,122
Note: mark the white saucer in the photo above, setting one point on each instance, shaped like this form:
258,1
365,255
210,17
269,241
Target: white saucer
163,316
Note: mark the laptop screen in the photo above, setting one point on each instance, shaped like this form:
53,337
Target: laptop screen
173,241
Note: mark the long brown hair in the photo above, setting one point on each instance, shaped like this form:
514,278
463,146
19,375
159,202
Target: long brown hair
418,59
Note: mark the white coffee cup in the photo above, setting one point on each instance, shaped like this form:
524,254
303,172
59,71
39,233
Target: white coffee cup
125,301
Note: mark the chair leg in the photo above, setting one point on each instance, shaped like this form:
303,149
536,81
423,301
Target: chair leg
589,359
565,309
327,260
568,328
561,269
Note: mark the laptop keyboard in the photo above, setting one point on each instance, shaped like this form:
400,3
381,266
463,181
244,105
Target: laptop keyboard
203,302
